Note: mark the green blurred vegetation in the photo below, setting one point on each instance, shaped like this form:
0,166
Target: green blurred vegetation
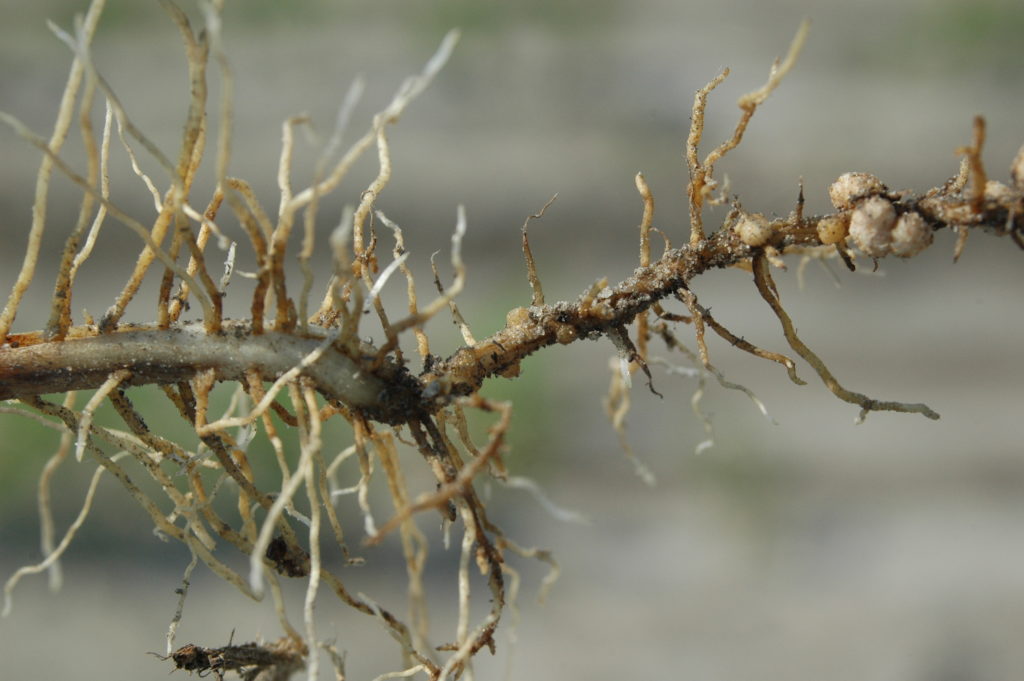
467,14
974,37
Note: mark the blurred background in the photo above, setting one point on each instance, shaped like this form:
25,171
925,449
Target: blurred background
808,548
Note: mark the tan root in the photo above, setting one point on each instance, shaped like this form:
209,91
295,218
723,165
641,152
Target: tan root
297,367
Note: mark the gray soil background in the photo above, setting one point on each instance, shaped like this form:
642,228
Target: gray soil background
812,549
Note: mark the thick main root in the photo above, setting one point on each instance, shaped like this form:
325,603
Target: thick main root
300,365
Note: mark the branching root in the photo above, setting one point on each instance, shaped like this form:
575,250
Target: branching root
307,369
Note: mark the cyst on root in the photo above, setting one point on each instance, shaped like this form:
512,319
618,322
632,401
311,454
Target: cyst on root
849,187
833,229
753,229
911,235
871,226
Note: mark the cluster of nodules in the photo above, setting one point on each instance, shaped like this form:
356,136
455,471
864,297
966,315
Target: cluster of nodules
867,216
873,219
870,219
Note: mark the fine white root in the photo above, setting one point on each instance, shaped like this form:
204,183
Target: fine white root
305,377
